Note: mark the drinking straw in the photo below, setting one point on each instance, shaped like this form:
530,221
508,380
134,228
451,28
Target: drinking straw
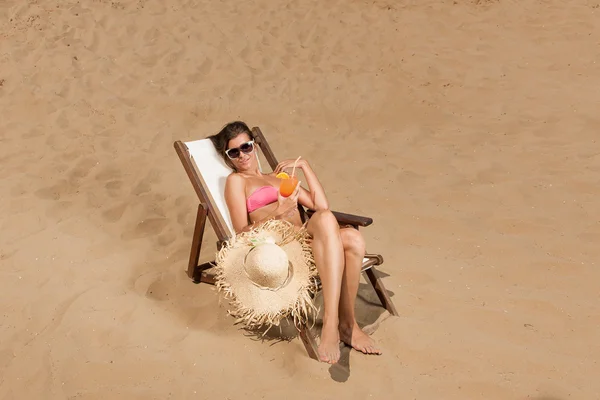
294,169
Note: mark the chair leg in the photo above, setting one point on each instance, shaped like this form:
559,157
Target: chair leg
197,240
202,276
309,342
381,291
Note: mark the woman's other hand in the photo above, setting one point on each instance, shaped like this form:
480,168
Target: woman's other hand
288,205
289,165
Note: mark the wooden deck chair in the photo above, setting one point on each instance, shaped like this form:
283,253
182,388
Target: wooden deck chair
208,172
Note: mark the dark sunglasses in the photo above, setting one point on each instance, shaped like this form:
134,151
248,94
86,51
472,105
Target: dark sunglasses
245,148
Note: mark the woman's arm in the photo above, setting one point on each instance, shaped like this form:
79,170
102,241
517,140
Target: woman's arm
317,193
235,197
313,198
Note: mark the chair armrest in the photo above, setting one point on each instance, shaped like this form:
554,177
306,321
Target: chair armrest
348,219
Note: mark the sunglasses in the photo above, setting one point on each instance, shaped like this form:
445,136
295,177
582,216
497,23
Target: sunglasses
245,148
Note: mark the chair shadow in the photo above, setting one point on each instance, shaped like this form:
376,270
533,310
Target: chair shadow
159,280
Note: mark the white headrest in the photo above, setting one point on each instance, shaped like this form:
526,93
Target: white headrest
213,172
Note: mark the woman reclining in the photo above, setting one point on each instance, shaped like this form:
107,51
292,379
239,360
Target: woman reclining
254,197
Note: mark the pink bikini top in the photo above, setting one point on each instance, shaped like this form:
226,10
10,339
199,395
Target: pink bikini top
261,197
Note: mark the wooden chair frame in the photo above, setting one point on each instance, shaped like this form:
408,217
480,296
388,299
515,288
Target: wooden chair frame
201,273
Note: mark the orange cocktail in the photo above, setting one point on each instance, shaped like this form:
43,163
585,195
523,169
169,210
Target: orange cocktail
287,185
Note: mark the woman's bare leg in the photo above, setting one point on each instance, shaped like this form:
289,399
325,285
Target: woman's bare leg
329,258
350,332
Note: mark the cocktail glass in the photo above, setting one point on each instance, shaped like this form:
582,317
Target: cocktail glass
287,186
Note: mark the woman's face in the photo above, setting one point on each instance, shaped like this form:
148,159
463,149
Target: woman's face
237,150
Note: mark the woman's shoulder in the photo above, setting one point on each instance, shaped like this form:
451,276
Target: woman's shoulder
235,179
235,186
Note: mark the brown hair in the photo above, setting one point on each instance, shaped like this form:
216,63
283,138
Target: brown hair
229,131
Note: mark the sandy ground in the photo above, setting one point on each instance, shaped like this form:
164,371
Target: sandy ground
467,129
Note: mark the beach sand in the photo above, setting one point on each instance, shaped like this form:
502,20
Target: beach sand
468,130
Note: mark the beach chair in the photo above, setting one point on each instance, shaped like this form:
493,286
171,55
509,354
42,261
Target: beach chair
208,172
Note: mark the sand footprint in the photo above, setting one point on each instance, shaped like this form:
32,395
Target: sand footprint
173,58
33,133
83,168
114,214
109,146
7,254
114,188
206,67
56,191
306,36
146,228
316,57
108,174
184,216
61,120
61,210
267,63
150,36
145,185
265,40
91,40
159,287
166,238
184,202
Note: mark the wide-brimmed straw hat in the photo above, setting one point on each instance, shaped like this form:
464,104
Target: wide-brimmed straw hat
269,274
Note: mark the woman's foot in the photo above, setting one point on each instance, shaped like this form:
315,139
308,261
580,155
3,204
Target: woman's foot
329,348
354,336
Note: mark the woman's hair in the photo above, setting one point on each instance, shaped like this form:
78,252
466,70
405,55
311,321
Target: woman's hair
229,131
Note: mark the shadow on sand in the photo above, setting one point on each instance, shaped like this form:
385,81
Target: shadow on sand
369,314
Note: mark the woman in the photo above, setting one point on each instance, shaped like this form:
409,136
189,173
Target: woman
253,197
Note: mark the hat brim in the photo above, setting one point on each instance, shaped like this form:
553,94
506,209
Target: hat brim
255,306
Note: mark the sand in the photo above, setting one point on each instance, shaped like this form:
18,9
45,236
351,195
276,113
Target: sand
468,130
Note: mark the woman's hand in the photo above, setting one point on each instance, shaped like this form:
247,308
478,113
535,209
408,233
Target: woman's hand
289,165
288,205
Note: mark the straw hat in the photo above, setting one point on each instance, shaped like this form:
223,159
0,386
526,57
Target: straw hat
269,274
